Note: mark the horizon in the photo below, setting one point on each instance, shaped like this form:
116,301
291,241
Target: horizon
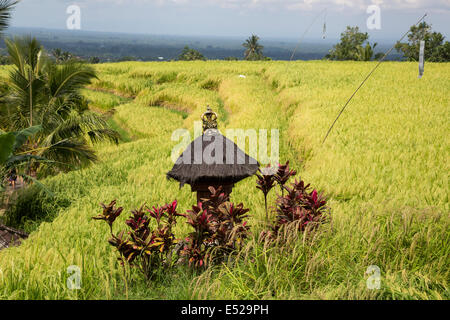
150,47
234,19
291,40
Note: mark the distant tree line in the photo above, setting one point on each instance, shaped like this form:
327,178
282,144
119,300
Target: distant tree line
436,50
135,51
253,52
354,45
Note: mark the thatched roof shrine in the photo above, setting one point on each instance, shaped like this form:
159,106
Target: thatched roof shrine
212,160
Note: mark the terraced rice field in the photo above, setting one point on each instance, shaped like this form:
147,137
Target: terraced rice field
384,169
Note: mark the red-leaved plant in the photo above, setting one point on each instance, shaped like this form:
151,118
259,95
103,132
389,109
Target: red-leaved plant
283,175
219,229
142,246
110,213
300,207
265,183
269,176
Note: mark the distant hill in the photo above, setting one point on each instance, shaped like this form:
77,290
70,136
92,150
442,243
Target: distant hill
115,46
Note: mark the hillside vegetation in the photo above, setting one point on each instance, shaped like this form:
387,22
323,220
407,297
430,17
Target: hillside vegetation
384,169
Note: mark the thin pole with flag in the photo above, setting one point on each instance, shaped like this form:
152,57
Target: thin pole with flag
421,58
364,81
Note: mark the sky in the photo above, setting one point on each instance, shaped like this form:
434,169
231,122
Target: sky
236,18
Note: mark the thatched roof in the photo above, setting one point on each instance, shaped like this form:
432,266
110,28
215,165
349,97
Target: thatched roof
199,163
10,237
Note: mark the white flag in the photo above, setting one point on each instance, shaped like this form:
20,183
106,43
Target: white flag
421,58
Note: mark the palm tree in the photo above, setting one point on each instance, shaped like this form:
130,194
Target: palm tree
10,143
61,56
45,93
253,49
6,7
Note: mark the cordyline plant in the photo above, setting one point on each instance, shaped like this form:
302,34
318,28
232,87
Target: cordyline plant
219,229
283,175
110,213
143,247
269,176
265,183
299,207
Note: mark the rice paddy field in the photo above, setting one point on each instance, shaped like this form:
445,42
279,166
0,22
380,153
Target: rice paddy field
384,169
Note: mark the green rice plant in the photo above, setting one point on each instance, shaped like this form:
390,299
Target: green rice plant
384,169
32,206
103,101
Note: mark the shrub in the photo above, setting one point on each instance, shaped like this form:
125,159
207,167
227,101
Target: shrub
268,176
143,247
299,208
219,230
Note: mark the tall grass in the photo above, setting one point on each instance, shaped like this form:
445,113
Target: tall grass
384,168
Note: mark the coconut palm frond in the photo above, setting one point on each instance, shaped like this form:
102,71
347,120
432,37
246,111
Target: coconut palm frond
76,125
104,135
16,57
25,51
97,128
6,6
26,95
72,153
17,160
68,78
40,185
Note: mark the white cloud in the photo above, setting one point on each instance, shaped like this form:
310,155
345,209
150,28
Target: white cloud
305,5
393,4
